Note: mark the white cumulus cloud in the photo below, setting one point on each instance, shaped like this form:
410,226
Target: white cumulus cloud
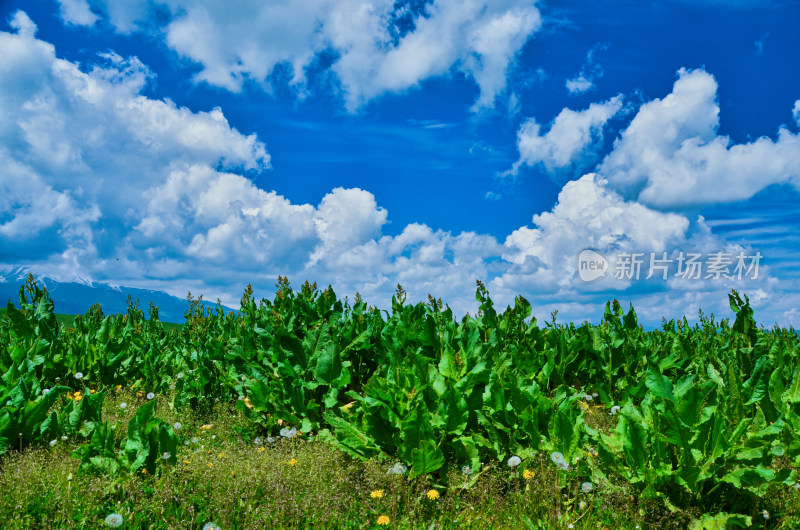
77,12
671,154
569,141
378,46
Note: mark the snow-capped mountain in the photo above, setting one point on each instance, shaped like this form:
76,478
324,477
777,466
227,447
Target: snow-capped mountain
78,295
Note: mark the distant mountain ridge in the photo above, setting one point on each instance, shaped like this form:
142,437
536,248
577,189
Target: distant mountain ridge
79,295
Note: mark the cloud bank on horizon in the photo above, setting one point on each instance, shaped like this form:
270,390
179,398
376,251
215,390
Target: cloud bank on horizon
107,179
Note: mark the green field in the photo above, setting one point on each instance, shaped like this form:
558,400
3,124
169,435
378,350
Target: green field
307,411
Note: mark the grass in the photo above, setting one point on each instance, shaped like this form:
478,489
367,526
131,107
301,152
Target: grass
224,477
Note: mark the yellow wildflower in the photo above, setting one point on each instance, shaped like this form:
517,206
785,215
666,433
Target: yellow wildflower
92,391
119,386
247,403
377,494
383,520
207,426
292,462
261,449
528,474
211,464
78,397
432,495
186,462
221,455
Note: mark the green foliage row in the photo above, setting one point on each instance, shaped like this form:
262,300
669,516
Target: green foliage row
689,411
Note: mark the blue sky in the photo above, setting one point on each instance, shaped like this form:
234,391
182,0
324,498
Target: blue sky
192,145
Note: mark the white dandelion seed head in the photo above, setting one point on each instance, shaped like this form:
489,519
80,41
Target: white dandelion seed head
210,526
765,513
271,439
213,436
177,425
64,438
582,505
588,397
587,487
114,520
466,470
557,457
166,456
123,405
194,440
179,376
79,376
258,440
150,395
514,461
45,391
53,442
172,386
614,409
397,469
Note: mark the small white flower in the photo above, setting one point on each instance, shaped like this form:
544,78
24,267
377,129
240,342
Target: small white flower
514,461
79,375
45,391
177,425
765,513
179,376
466,470
587,487
241,398
58,379
595,394
588,397
123,405
150,395
64,438
213,436
114,520
166,456
53,442
614,410
570,525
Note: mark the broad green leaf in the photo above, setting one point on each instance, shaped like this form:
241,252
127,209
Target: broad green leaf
426,459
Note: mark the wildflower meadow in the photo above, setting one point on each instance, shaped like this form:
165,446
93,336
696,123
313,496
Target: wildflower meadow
308,411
